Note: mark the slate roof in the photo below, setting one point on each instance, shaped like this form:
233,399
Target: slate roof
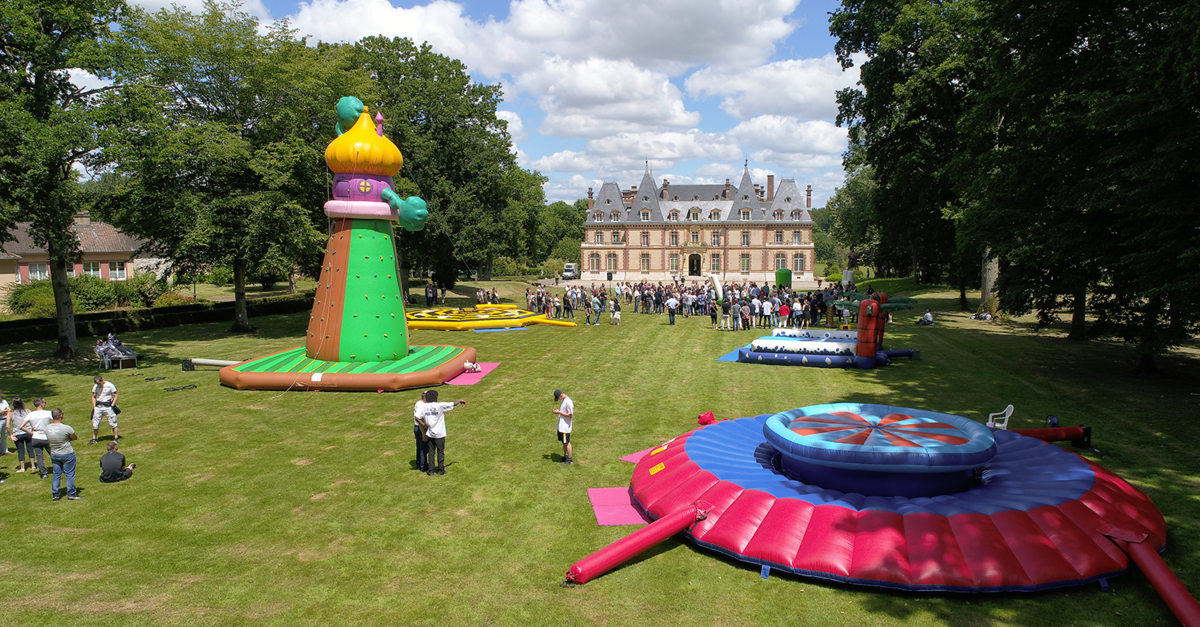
94,237
649,196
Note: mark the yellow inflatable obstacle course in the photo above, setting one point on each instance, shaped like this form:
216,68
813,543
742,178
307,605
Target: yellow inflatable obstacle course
479,317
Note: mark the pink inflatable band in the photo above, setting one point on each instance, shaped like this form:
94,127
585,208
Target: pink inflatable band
360,209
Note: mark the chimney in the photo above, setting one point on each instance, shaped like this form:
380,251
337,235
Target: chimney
83,218
808,200
666,184
770,187
591,201
726,189
757,193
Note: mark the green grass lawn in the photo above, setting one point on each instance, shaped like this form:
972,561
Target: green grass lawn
221,293
271,508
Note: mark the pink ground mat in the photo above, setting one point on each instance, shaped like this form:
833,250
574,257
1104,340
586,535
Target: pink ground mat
471,378
614,506
634,458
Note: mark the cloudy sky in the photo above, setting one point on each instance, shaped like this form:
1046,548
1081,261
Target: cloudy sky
595,88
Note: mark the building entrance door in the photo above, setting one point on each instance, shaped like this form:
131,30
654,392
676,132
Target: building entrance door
694,265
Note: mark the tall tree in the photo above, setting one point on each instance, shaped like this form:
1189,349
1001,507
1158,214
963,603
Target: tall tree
49,122
223,148
457,153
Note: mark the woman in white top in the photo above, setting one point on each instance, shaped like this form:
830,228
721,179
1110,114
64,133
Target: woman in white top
39,420
22,432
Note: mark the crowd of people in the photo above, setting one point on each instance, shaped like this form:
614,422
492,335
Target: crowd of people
745,306
39,433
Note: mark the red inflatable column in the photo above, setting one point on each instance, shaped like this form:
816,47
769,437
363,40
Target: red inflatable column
868,319
622,550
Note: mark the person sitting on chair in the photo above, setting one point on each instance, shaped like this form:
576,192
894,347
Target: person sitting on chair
112,466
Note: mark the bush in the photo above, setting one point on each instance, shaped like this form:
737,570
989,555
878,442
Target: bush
505,266
90,293
143,288
551,267
220,276
833,273
171,298
35,299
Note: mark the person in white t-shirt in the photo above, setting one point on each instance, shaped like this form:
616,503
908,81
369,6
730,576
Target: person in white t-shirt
104,399
433,419
419,434
566,414
39,419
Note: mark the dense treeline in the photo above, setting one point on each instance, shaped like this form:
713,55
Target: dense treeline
209,133
1057,138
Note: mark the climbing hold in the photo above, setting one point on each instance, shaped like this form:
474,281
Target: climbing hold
385,335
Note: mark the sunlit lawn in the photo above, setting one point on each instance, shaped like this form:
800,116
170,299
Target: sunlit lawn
304,509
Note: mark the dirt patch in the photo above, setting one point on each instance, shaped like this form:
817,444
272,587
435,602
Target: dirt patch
303,461
201,477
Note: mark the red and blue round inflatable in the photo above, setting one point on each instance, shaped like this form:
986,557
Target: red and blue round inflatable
899,498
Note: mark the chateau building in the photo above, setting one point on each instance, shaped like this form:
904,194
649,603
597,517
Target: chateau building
741,233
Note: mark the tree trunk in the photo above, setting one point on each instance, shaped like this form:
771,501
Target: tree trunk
241,316
486,274
962,294
68,346
988,275
1145,344
292,280
1079,315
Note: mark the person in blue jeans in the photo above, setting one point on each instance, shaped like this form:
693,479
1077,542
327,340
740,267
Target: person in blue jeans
62,454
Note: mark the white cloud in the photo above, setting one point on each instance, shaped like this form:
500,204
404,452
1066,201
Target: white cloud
666,146
566,161
788,135
82,79
597,97
796,87
516,128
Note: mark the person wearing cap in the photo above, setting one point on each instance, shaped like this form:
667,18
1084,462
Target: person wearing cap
566,412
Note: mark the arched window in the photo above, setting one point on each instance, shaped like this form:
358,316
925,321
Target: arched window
796,215
612,261
779,215
594,261
780,261
715,214
745,197
645,216
673,216
608,201
797,262
787,199
745,214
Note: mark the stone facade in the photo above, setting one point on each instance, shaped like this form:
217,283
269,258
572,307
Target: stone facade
741,233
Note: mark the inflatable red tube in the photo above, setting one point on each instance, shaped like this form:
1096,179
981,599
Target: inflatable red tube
868,319
1057,434
1166,583
622,550
1168,586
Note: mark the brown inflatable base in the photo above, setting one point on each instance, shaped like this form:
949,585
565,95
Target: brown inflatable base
345,381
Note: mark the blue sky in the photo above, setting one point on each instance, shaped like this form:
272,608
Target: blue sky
595,88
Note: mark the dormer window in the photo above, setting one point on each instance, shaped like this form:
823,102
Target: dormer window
796,215
696,197
779,215
645,198
694,215
673,216
598,216
645,216
614,216
745,197
608,201
745,214
788,199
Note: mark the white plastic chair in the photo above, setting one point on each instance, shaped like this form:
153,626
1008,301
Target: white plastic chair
999,420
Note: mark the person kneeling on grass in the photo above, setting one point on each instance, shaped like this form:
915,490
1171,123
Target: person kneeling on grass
112,466
433,419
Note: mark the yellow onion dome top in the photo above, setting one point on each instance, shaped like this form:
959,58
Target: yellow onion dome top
361,151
